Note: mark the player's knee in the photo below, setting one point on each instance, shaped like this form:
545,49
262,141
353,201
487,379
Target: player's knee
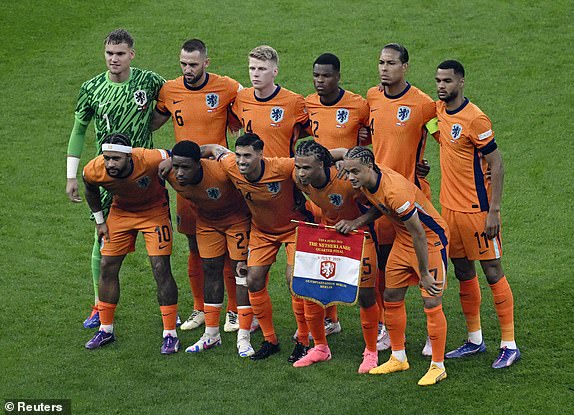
463,269
492,270
392,295
432,302
367,297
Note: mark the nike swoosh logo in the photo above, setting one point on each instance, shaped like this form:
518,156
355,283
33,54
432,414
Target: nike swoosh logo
313,113
177,102
482,252
102,105
162,246
364,279
246,109
374,109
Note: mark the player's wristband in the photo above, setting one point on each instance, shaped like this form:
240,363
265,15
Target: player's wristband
72,164
99,217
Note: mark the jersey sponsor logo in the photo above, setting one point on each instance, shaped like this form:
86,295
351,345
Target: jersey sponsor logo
144,182
140,98
212,100
274,187
342,115
328,269
276,114
404,207
336,199
456,131
403,113
213,193
485,135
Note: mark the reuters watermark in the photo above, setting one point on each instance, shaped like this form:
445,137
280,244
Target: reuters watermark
38,406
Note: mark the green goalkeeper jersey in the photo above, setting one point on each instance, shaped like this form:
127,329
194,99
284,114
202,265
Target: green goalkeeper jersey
125,107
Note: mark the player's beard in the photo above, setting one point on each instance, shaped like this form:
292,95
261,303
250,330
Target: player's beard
449,97
193,79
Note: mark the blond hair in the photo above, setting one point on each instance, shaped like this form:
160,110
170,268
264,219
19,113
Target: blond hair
265,53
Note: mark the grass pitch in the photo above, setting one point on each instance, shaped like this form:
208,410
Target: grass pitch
517,57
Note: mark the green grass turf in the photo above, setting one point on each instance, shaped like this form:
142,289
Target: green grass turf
518,57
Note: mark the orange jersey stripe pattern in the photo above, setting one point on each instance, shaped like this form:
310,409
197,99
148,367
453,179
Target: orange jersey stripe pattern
271,198
273,119
465,136
199,114
398,128
399,199
216,200
141,190
337,125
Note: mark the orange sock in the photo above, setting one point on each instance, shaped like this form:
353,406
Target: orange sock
212,314
263,310
169,316
332,313
436,327
107,311
195,274
229,279
396,319
504,306
245,313
315,316
370,325
379,293
298,306
470,298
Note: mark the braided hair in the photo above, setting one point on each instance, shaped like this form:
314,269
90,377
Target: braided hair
117,138
363,154
319,153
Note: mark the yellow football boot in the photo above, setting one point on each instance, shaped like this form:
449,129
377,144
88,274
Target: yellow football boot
434,375
392,365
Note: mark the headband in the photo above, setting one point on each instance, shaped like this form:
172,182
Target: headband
116,147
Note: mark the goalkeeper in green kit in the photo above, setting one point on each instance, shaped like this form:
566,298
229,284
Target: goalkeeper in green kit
119,100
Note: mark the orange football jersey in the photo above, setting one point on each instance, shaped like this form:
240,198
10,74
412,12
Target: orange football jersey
141,190
271,198
399,199
398,128
337,125
199,114
215,198
337,199
273,119
465,136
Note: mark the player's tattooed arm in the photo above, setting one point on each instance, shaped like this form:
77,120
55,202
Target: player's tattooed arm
213,151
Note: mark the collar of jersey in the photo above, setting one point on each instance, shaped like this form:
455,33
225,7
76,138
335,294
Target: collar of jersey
404,91
270,97
328,174
199,175
339,97
196,88
380,174
459,109
261,175
119,83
